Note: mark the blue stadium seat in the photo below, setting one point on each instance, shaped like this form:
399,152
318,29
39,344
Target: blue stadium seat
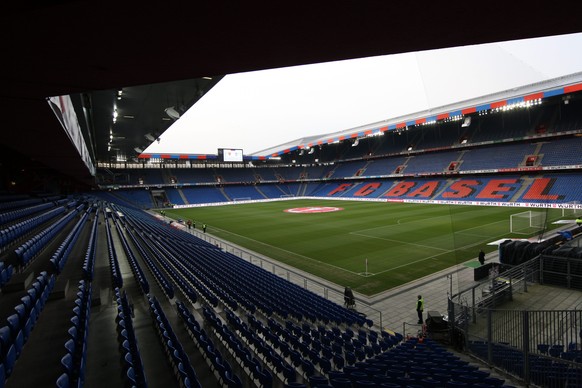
68,364
70,347
325,365
232,380
341,382
19,343
289,373
14,324
21,312
63,381
317,380
307,367
456,384
130,379
2,375
265,378
494,381
5,337
10,360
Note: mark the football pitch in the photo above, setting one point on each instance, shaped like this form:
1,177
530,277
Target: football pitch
369,246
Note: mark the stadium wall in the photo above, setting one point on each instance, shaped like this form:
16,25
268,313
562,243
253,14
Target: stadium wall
418,201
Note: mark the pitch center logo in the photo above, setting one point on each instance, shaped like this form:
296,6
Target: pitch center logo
314,209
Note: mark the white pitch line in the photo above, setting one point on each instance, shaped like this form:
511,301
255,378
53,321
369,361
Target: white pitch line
398,223
480,226
284,250
439,254
398,241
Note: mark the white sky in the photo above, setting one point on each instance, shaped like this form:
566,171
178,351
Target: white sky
262,109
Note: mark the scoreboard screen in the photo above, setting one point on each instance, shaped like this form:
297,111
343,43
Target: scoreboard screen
230,154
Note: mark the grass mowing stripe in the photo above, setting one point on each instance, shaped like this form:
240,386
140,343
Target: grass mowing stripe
277,248
398,241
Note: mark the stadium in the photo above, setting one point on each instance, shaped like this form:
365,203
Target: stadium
298,263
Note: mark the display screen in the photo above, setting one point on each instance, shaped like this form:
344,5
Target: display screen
231,155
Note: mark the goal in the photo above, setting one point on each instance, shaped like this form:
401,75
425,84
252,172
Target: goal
527,222
572,212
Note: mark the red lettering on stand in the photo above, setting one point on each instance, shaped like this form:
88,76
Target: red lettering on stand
367,189
495,187
400,189
427,190
539,190
340,188
461,189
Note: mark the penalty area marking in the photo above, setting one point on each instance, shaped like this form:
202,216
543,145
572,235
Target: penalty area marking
365,274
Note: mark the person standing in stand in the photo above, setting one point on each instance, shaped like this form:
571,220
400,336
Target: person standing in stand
419,308
481,257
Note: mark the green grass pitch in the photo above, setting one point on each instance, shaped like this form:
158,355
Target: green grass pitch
401,242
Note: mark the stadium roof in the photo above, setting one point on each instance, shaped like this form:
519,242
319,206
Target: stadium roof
70,47
321,103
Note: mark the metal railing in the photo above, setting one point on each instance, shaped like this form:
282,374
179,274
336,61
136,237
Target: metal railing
561,271
542,348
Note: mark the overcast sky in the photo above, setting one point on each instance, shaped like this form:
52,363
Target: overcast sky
262,109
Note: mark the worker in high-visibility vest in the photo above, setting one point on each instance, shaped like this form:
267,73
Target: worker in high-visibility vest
419,309
579,221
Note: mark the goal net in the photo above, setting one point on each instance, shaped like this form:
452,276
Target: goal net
572,212
527,222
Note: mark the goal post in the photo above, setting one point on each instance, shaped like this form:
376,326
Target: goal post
527,222
572,211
